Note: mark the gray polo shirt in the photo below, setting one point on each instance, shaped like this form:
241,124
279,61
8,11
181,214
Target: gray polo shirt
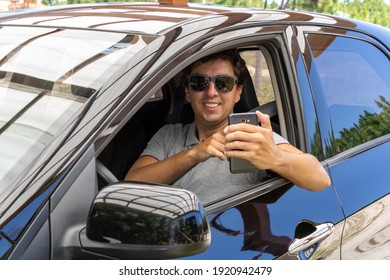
211,179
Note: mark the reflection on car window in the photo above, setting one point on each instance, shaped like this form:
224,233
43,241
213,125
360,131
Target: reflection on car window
355,79
158,94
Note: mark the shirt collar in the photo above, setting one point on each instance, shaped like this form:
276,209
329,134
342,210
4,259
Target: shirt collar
191,138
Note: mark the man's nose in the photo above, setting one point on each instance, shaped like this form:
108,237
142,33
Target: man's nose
211,90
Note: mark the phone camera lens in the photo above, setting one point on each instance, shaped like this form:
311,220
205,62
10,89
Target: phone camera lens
243,120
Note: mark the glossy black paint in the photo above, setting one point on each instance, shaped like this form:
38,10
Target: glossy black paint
263,228
363,185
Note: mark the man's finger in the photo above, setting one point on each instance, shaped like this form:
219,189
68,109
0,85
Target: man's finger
264,120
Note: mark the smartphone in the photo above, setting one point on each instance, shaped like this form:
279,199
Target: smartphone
238,165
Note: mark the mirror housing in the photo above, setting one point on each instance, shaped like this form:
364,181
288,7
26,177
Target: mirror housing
137,220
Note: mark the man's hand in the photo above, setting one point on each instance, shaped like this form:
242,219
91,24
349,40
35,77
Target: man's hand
253,143
214,146
256,144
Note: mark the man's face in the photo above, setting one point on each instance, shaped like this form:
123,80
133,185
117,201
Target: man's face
211,107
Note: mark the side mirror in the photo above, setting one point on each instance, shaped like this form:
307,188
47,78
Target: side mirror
136,220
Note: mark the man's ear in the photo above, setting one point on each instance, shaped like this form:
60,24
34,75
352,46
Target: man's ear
187,94
238,93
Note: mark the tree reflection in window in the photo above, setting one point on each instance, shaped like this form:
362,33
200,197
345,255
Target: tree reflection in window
368,127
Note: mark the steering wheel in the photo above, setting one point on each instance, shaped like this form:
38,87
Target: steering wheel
105,176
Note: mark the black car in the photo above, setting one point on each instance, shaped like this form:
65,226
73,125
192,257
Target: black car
84,87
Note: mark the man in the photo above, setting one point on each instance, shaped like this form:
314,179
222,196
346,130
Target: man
194,156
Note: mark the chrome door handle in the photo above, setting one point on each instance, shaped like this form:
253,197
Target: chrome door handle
307,237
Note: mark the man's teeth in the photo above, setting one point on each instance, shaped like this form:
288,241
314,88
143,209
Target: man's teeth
211,105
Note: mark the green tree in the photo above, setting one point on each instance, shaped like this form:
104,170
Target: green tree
375,11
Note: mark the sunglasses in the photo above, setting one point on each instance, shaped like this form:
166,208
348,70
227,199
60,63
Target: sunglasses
222,83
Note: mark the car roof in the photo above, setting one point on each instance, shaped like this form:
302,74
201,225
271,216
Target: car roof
154,18
145,18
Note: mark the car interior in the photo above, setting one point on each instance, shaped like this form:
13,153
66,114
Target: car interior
169,106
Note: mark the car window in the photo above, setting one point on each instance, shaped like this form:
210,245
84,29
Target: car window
355,80
259,71
158,94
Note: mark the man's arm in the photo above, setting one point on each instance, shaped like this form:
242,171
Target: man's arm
256,144
150,169
302,169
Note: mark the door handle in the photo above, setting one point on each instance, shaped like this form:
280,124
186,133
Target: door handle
307,237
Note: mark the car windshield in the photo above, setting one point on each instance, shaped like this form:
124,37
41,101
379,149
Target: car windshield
46,74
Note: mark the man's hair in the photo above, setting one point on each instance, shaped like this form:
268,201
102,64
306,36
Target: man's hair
233,56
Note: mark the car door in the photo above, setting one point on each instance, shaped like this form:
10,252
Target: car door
350,74
263,222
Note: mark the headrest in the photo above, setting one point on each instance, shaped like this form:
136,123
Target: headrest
248,99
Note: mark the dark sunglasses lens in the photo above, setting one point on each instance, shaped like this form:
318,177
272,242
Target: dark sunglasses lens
199,83
224,84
